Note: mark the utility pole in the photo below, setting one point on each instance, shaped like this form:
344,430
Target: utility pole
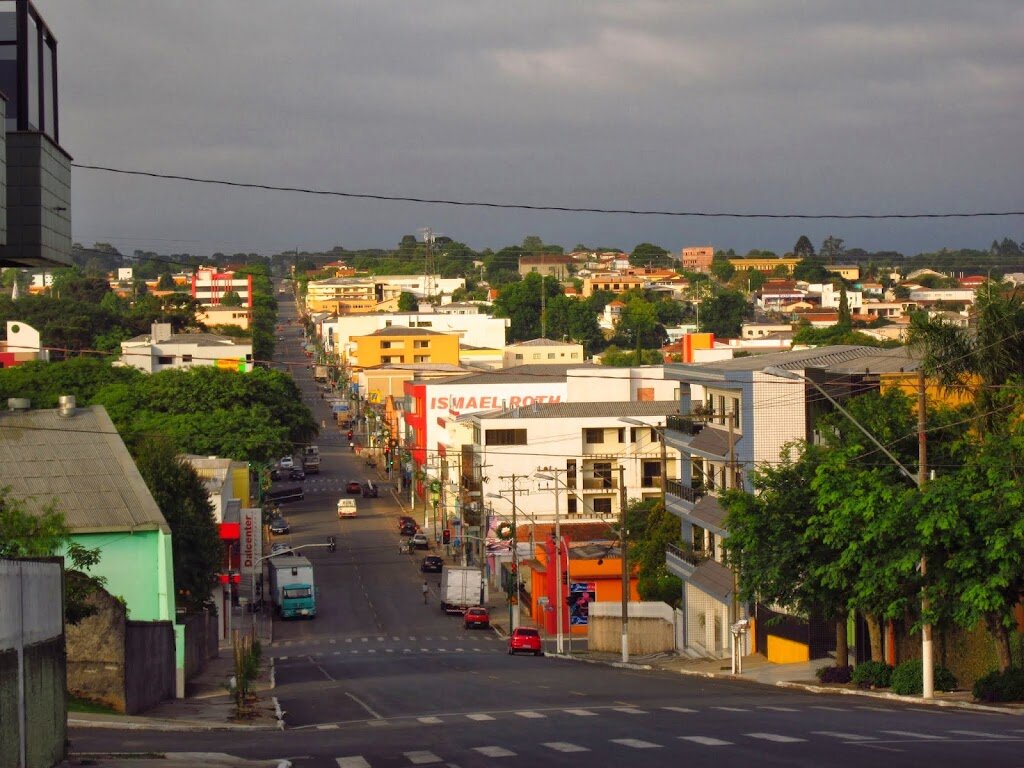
514,595
550,473
624,545
927,662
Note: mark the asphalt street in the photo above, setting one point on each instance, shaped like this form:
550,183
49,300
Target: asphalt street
380,679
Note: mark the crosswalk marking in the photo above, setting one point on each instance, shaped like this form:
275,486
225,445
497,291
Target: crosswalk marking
564,746
421,757
581,712
494,751
707,741
356,761
636,743
684,710
429,720
776,737
780,709
629,710
479,716
985,735
327,727
844,736
530,715
916,735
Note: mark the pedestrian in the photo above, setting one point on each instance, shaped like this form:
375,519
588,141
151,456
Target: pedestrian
426,590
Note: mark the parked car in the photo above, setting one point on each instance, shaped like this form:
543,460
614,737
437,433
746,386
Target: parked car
287,462
279,526
279,548
477,616
525,639
432,564
408,530
354,486
404,521
370,490
275,474
420,541
296,473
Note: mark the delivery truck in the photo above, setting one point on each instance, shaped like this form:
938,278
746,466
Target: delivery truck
292,589
311,459
461,587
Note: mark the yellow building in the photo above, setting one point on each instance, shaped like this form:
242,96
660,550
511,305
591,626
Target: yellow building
613,282
351,295
398,344
766,265
845,271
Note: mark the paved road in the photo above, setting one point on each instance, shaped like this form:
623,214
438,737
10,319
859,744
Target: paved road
379,679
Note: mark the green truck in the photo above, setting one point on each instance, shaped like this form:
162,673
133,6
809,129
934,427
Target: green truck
292,588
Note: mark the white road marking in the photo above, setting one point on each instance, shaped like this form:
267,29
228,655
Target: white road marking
581,712
986,735
731,709
479,716
828,709
916,735
564,746
684,710
776,737
356,761
429,720
328,727
844,736
421,757
530,715
365,639
780,709
364,705
707,741
629,710
636,743
494,751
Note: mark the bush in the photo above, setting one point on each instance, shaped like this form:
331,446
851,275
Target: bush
906,678
834,674
872,674
1000,686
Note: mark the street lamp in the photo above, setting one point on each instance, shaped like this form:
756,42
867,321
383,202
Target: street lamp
558,560
927,668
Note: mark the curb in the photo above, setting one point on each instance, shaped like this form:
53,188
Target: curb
166,725
615,664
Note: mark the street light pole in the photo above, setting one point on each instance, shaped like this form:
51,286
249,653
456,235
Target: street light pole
552,474
927,655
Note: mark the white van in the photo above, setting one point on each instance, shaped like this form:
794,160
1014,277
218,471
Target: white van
346,507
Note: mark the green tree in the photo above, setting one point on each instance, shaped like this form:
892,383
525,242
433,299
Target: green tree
651,529
407,302
723,314
722,269
520,302
648,254
230,299
812,270
638,325
845,320
23,534
832,249
803,248
181,495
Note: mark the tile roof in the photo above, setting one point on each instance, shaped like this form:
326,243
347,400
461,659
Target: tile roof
714,579
81,465
712,441
821,357
709,513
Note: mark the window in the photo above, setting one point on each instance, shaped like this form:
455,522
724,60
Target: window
575,355
698,538
425,324
420,344
621,434
603,474
645,394
421,359
505,437
386,344
536,356
572,505
603,505
551,355
593,436
165,360
186,358
519,357
570,473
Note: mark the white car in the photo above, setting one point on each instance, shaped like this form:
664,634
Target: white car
419,541
280,548
287,462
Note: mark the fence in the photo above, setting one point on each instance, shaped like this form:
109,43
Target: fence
651,628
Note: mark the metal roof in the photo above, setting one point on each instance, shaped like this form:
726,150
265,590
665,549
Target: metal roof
714,579
520,374
80,465
588,409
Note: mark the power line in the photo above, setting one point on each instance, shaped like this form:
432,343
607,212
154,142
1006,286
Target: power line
529,207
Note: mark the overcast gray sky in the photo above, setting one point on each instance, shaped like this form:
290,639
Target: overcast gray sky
767,106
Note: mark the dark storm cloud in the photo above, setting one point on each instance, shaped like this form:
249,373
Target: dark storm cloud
743,106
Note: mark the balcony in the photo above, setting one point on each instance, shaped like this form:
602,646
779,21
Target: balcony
688,425
600,484
683,561
684,492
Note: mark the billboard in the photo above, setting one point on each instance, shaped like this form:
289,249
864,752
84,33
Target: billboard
581,595
251,543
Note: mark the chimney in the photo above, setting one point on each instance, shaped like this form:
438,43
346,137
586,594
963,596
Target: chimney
18,404
161,332
67,405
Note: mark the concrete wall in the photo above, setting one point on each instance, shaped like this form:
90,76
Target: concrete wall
148,663
651,628
33,713
201,641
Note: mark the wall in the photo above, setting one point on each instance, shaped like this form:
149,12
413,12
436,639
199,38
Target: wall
38,198
201,641
32,639
148,664
651,628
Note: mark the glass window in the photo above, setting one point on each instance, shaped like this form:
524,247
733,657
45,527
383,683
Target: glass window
593,436
603,506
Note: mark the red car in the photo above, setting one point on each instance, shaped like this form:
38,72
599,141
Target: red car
476,617
525,639
354,487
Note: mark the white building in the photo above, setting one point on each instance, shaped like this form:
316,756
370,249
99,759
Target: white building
161,349
586,451
209,286
542,352
831,296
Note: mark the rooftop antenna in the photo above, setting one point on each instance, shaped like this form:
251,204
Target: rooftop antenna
429,268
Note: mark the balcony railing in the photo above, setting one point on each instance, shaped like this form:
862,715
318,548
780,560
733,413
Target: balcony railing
691,556
684,492
688,425
600,484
